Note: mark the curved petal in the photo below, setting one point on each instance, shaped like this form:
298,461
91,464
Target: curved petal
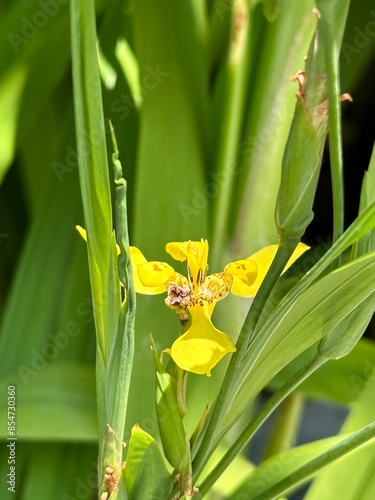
138,259
244,273
177,249
215,287
154,274
263,259
202,346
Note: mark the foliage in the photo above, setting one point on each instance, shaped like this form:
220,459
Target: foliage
155,122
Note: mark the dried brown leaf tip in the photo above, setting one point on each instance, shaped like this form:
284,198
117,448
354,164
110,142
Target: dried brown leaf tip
345,97
299,77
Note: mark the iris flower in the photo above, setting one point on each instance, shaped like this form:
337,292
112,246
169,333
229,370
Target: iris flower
194,298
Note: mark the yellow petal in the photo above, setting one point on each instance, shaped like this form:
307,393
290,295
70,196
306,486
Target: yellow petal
263,259
82,232
215,287
244,270
138,259
177,249
196,254
154,273
202,346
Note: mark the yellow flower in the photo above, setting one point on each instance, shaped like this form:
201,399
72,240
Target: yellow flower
194,298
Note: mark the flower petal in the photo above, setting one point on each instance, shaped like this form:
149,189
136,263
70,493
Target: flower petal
82,232
263,259
138,259
202,346
177,249
244,270
215,287
154,274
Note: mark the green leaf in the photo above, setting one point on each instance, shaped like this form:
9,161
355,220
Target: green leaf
146,475
277,467
171,428
58,403
362,483
277,53
351,443
94,175
27,50
336,381
75,463
172,70
271,8
169,196
315,313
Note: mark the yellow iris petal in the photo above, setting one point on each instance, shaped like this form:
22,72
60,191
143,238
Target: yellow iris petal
263,259
177,249
82,232
138,259
215,287
155,274
203,345
244,274
196,254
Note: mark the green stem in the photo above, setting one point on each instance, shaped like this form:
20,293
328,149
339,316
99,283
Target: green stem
212,436
302,474
237,74
285,427
331,55
282,256
258,420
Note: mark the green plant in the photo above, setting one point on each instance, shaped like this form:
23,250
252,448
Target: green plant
182,125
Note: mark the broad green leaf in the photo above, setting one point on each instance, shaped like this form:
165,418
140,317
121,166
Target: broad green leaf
172,145
270,112
367,242
361,484
94,175
33,40
52,272
315,313
271,8
76,463
114,315
145,475
280,465
336,381
349,444
169,199
56,403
